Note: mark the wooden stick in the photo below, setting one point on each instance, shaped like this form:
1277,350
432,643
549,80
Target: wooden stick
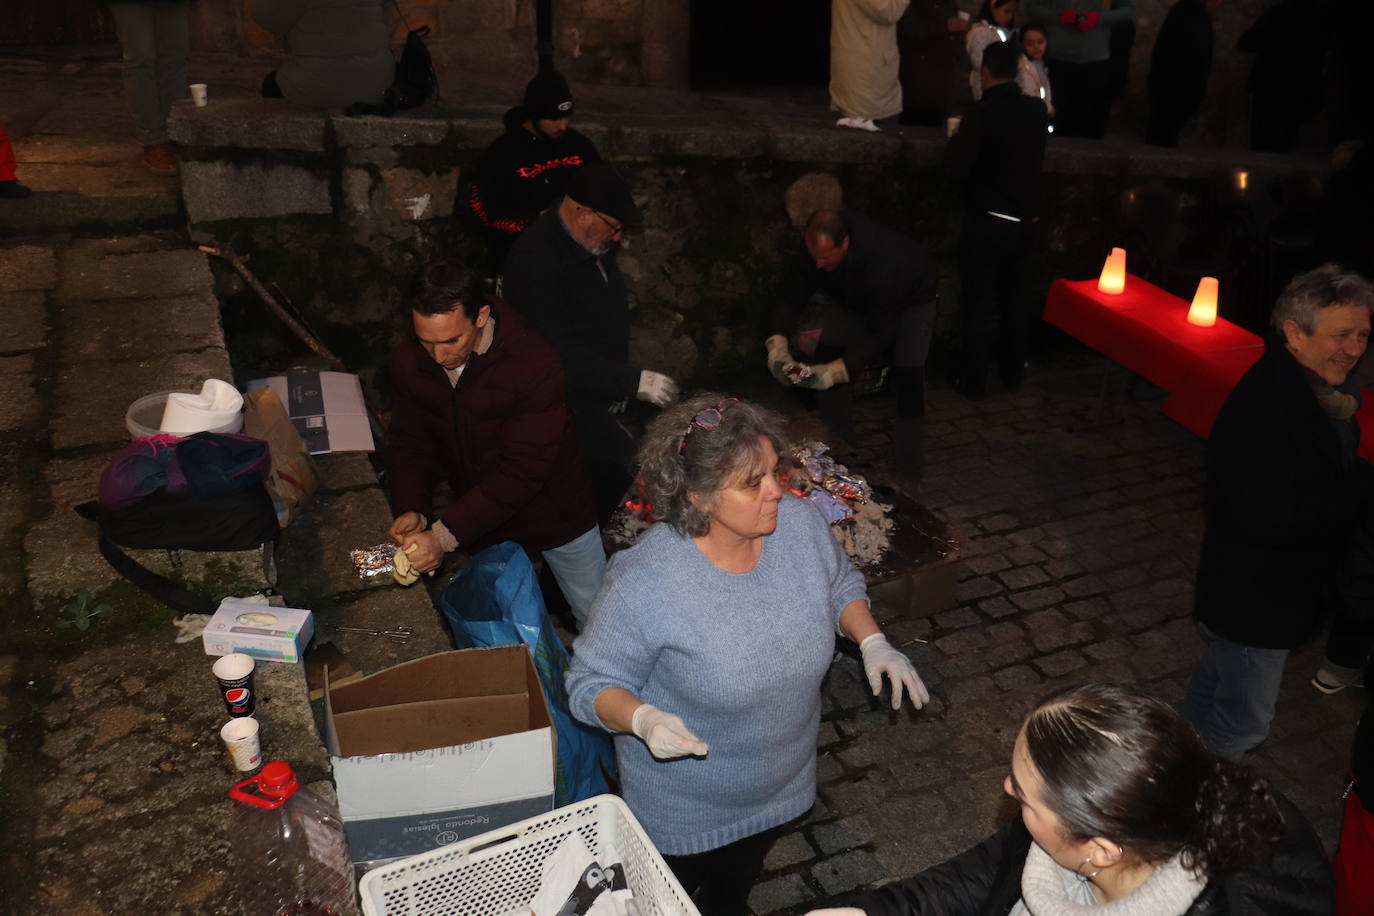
226,251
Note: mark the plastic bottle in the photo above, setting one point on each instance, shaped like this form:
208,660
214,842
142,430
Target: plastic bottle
289,851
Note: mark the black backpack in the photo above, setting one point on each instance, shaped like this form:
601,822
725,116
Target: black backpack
241,520
415,80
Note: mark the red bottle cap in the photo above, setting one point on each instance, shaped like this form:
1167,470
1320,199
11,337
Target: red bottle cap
277,782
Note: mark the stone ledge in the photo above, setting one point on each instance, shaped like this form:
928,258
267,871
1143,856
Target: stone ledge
248,124
221,190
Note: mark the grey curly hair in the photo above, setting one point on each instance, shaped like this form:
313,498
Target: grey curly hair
678,458
1308,293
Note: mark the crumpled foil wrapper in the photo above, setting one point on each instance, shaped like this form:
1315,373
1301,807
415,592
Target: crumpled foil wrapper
825,472
374,561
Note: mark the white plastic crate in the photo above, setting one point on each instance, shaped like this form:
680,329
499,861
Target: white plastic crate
498,872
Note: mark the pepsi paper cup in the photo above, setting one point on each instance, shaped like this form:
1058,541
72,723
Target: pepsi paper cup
235,675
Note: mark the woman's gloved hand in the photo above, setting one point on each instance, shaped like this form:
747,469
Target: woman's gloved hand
665,734
879,659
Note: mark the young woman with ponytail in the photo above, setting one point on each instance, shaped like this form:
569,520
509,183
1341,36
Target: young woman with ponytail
1123,812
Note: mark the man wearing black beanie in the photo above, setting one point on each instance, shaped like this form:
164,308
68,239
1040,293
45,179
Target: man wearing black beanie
526,169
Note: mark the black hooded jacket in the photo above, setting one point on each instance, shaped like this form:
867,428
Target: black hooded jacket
520,175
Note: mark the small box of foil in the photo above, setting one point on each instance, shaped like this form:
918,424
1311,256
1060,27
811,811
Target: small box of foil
274,634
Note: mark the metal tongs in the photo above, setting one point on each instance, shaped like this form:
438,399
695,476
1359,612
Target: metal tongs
395,634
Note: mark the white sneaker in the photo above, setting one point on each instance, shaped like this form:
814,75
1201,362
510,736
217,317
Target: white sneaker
857,124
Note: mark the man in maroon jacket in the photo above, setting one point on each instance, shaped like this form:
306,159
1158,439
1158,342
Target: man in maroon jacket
479,401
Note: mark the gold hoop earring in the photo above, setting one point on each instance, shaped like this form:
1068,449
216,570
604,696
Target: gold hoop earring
1079,873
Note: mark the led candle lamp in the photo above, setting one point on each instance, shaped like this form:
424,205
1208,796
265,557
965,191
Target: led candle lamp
1113,279
1203,311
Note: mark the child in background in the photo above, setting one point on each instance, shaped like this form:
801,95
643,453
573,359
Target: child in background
993,23
1031,73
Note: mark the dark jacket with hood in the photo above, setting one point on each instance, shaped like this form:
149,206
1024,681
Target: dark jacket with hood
501,437
522,173
986,880
1283,495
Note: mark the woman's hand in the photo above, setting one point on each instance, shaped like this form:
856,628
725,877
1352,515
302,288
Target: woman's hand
879,659
667,737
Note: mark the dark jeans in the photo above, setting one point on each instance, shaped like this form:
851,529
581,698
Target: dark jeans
992,252
1082,97
719,881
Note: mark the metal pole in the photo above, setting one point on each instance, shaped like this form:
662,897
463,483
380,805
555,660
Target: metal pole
543,33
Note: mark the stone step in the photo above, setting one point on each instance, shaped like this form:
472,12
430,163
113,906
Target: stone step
80,183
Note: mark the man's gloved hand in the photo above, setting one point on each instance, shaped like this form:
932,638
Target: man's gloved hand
779,355
405,523
1088,21
1068,17
819,376
656,388
665,734
879,659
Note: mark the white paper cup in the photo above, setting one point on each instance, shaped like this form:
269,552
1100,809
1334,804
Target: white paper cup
965,15
952,125
240,737
199,94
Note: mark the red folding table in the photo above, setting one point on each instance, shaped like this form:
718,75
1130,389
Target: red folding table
1146,330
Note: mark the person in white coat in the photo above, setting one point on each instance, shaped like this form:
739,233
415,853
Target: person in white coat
864,84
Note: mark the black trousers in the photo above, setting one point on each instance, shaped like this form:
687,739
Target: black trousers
609,450
1082,97
719,881
992,254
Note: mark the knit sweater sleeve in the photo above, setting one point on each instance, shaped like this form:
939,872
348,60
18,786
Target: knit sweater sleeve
610,652
846,584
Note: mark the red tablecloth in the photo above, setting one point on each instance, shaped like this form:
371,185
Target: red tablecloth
1146,330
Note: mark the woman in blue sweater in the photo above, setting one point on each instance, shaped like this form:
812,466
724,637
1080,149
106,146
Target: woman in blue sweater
705,648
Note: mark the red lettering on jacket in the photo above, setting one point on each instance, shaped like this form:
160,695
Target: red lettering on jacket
533,171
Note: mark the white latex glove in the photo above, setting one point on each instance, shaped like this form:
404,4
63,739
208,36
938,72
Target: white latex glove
779,355
665,734
819,376
656,388
879,659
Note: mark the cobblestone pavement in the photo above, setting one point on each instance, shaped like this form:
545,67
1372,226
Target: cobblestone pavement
1079,524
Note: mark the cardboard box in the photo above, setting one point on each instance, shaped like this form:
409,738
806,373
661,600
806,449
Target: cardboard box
439,749
326,408
274,634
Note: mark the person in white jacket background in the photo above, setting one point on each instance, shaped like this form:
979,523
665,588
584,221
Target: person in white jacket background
864,84
993,23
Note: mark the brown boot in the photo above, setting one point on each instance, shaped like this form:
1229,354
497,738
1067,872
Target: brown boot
159,159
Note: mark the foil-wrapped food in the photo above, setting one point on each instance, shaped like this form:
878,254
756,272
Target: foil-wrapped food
374,561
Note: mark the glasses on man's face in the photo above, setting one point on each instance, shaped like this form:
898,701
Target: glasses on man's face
616,228
707,419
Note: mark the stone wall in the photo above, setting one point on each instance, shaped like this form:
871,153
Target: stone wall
645,42
622,42
340,211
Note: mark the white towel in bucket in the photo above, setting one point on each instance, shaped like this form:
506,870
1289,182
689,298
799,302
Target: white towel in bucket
217,405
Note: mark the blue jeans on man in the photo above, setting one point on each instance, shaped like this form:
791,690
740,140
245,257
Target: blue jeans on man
579,566
1232,694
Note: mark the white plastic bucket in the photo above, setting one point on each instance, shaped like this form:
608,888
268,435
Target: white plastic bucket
145,415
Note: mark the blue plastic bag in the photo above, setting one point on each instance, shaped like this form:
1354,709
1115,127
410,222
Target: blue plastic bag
494,600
